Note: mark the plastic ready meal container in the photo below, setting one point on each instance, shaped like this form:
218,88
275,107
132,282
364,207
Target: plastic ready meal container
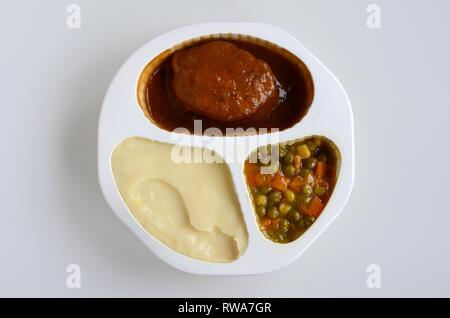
330,115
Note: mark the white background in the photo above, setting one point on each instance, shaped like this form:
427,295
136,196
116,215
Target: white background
53,80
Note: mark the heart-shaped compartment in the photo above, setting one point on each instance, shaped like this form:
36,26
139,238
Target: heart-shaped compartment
290,184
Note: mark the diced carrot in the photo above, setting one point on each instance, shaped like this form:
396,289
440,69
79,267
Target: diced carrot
275,224
265,222
297,184
321,169
260,179
250,168
304,208
251,179
315,207
279,182
297,163
268,180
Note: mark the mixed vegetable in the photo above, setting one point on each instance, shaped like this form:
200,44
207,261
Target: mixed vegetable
288,201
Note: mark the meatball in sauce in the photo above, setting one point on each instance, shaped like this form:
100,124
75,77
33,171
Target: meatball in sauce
226,82
223,82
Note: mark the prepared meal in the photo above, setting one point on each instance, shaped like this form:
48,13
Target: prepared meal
257,100
226,82
289,201
190,207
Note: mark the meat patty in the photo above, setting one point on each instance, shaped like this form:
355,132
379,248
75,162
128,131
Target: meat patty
223,82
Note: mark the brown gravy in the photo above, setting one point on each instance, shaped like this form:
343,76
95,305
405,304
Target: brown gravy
159,102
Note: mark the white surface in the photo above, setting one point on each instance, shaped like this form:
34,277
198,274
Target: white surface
329,115
53,81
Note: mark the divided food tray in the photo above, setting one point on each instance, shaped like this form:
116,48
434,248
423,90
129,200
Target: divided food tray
329,115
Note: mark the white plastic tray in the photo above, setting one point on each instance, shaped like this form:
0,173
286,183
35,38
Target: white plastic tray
330,115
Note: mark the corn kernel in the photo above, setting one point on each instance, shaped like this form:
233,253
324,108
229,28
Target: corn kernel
303,151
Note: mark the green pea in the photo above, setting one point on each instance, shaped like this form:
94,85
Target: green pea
292,149
305,172
307,189
261,199
301,224
311,219
303,198
289,170
322,157
284,208
273,212
274,197
288,158
281,238
253,190
282,151
264,190
294,216
289,195
261,211
284,225
319,190
311,163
